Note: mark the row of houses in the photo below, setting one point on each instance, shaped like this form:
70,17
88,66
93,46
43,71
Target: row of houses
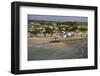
61,35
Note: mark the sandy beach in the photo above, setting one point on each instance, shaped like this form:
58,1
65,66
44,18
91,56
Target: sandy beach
49,49
57,42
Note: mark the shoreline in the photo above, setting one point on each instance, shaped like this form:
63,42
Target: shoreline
43,49
56,43
51,40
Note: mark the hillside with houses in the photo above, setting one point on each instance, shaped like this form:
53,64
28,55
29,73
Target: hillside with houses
57,30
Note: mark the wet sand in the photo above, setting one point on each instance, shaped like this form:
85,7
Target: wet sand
49,49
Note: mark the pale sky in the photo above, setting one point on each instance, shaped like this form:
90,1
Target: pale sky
57,18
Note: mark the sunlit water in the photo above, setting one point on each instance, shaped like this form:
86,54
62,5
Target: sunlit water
44,52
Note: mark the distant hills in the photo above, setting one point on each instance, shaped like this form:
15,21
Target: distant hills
61,22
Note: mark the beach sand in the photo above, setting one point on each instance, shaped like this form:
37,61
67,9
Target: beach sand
50,49
57,42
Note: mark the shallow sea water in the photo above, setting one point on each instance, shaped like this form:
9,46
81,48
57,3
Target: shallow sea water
44,52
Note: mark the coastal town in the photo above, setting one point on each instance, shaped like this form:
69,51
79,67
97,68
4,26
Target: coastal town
55,37
57,31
